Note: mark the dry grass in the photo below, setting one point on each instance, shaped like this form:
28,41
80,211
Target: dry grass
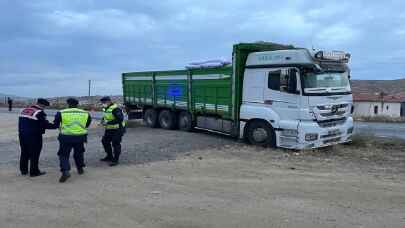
370,141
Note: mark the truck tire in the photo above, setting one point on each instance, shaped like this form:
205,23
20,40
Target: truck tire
261,133
185,121
150,118
167,119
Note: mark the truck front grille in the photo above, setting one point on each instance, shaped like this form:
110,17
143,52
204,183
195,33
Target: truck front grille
329,107
328,111
329,114
331,123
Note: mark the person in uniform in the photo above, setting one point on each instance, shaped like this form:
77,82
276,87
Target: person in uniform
32,123
114,124
73,124
10,104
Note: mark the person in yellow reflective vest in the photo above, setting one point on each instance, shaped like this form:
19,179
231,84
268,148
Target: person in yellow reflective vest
73,124
114,123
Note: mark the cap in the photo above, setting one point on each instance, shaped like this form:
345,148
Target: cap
72,101
104,99
43,102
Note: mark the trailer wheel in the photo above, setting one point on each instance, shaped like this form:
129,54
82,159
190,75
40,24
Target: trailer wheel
185,121
167,119
261,133
150,118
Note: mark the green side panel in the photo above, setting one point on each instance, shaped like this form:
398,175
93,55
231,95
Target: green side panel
212,91
138,88
172,89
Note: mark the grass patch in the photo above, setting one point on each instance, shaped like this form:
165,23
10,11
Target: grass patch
371,141
363,140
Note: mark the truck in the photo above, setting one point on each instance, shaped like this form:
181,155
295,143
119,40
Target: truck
270,95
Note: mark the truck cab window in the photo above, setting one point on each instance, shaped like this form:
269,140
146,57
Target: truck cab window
274,80
282,82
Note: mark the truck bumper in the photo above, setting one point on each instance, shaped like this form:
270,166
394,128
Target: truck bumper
325,136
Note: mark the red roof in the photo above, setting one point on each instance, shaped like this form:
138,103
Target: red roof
367,96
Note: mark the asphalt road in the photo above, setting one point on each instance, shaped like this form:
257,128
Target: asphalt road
385,130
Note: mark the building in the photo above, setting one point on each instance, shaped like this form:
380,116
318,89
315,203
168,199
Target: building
379,104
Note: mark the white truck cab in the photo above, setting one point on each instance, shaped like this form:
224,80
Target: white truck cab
297,99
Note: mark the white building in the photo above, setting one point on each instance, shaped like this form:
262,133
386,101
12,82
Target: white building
366,105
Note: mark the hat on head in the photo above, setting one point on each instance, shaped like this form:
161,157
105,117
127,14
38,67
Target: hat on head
105,99
43,102
72,101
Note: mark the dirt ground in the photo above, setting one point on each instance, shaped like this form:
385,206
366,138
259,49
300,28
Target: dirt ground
179,180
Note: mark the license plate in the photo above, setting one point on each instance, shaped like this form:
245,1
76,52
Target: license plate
334,132
335,140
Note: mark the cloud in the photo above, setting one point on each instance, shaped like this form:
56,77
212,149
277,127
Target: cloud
109,23
283,21
47,46
400,32
335,35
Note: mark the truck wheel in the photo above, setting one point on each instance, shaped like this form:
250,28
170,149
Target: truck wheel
167,119
150,118
185,121
261,133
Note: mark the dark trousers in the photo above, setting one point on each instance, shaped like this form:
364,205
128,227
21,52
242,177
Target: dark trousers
10,107
31,146
64,154
112,143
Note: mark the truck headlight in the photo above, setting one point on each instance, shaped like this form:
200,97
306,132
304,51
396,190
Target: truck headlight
290,132
311,136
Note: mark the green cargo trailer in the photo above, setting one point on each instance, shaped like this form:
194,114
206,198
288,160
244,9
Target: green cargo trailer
261,96
209,92
204,92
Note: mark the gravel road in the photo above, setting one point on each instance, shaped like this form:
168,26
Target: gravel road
177,179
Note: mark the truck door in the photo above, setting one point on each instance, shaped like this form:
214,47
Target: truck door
283,92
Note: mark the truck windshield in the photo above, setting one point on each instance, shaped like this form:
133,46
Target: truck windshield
326,82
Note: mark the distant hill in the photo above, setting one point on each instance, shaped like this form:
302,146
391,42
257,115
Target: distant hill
376,86
3,98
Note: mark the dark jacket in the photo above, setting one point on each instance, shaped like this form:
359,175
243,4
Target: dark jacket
70,138
32,122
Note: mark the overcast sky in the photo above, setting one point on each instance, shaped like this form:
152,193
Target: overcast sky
53,47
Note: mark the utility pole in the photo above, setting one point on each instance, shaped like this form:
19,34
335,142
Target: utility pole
89,100
89,88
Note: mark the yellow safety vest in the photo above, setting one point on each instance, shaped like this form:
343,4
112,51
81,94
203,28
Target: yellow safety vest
74,121
108,116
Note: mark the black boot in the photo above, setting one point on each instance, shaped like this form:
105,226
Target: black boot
37,174
107,159
80,170
114,162
64,177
